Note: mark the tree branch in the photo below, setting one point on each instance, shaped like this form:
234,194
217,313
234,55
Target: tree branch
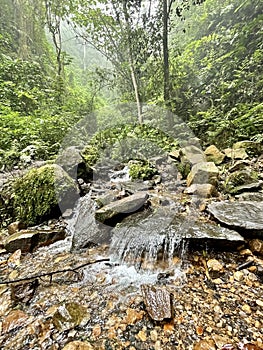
50,274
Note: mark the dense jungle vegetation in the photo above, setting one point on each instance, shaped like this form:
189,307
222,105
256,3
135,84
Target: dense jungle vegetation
63,60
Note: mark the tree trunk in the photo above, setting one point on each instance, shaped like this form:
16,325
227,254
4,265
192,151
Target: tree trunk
131,64
166,68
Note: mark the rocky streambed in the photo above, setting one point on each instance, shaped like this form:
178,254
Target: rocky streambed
174,262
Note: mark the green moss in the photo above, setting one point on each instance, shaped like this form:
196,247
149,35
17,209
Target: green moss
39,193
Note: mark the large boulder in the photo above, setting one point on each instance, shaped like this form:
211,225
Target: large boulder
43,192
203,173
246,215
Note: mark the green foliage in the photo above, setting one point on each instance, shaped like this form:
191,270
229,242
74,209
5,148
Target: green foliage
217,77
141,170
146,140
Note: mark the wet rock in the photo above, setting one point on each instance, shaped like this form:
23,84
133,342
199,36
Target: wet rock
246,215
157,301
15,319
236,153
214,155
256,246
28,240
84,226
162,234
78,345
203,173
205,344
70,315
107,199
202,190
192,155
126,206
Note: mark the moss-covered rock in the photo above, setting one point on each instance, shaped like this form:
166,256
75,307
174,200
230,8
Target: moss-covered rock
42,192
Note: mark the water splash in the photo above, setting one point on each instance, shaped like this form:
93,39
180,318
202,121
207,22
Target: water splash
148,244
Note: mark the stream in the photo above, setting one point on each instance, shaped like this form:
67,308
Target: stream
162,286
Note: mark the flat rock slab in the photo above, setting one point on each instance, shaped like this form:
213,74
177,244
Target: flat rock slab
163,233
247,215
157,301
126,205
28,240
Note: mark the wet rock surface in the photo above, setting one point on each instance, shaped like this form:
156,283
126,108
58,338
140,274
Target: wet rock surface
175,276
106,308
243,214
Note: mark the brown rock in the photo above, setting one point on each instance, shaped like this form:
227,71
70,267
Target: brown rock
202,190
205,344
214,155
203,173
256,246
15,319
15,226
78,345
27,240
157,301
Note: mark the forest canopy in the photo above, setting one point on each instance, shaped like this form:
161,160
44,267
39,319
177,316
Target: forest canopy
62,60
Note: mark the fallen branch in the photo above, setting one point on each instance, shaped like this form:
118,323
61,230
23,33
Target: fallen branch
50,274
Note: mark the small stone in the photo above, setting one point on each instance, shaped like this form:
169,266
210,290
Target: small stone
142,336
14,259
205,344
214,265
218,281
209,329
15,319
220,341
15,226
245,252
78,345
246,308
256,246
259,303
238,276
154,335
96,331
199,330
133,316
